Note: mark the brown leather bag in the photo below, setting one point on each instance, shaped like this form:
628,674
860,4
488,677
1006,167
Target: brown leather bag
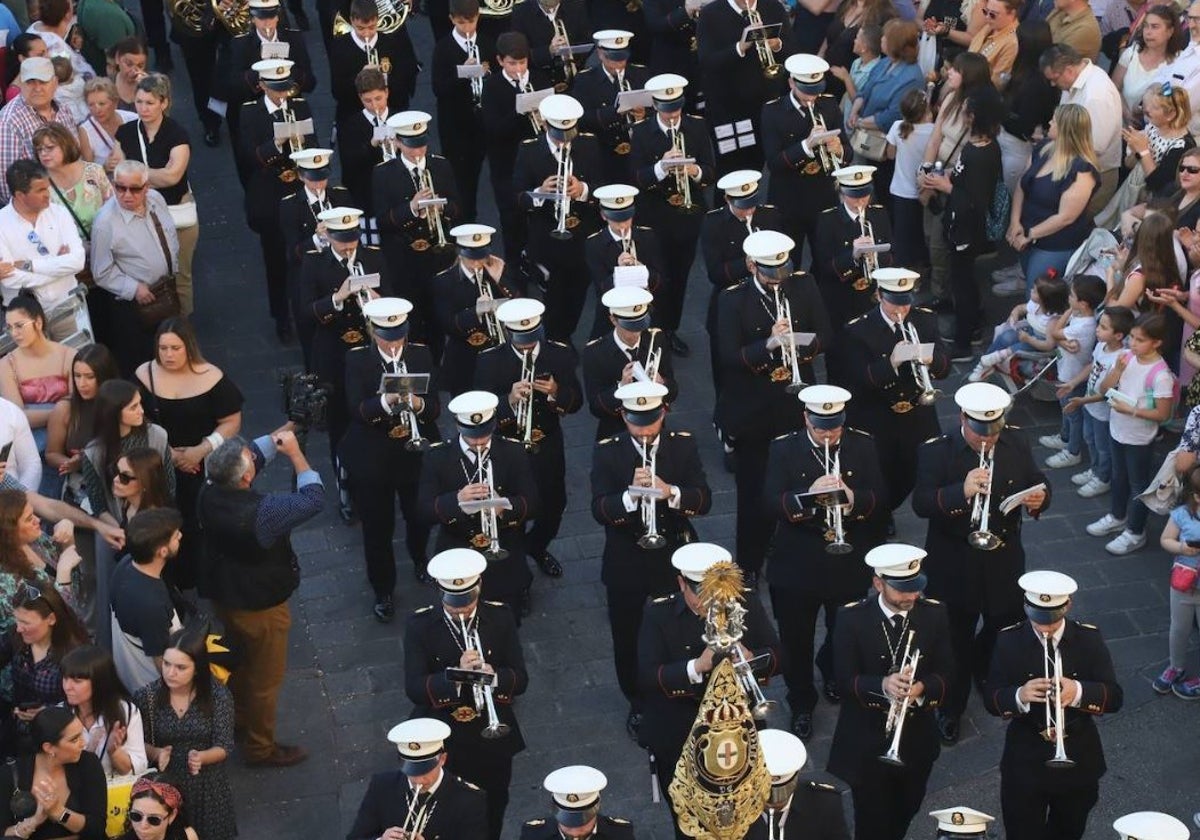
165,305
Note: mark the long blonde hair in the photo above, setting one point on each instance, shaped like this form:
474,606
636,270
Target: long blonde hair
1074,125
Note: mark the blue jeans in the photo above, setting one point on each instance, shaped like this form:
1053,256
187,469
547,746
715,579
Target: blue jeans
1035,261
1072,424
1099,445
1008,339
1132,469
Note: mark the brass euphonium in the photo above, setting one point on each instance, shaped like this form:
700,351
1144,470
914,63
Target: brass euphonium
390,17
233,15
187,15
770,67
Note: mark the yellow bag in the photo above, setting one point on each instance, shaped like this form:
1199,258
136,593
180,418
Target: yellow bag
119,790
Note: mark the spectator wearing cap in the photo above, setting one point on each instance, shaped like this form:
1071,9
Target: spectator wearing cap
134,245
1037,799
674,663
465,297
961,823
559,217
550,25
391,423
459,101
623,355
816,551
462,631
735,80
976,576
537,386
675,195
597,88
40,248
817,805
635,564
415,237
473,465
271,174
450,806
331,299
725,227
873,647
879,367
247,537
365,44
32,109
754,342
505,129
622,249
800,166
575,794
843,231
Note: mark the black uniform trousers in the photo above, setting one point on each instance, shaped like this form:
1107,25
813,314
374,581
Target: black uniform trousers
972,646
549,465
274,254
375,504
625,607
1033,811
887,799
200,59
493,774
796,614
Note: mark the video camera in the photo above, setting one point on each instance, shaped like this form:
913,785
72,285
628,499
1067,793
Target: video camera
305,401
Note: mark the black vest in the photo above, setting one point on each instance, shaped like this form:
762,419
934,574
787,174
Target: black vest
238,573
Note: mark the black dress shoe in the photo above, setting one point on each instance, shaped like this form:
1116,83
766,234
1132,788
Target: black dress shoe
750,579
947,727
346,512
730,461
802,725
212,137
831,692
549,564
384,611
891,527
679,347
633,723
422,574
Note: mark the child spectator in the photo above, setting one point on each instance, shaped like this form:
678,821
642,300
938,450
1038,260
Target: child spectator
1027,327
1180,537
70,88
907,140
1074,334
1145,387
868,45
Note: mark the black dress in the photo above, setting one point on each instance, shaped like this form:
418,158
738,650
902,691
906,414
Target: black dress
88,797
158,151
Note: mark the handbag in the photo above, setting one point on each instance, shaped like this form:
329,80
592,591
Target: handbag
1183,577
166,296
1162,494
869,144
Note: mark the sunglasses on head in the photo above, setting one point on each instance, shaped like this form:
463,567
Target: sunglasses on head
125,478
1191,170
154,820
26,595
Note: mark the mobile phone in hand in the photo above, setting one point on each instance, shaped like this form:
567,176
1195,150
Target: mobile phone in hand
7,448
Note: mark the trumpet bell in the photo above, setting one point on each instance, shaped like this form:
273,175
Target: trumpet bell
773,71
491,733
532,447
341,26
892,758
417,445
498,554
763,709
1060,763
838,548
929,397
651,541
984,540
561,234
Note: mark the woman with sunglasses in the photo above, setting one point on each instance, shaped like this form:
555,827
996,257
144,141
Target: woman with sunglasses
72,423
34,376
111,722
140,483
66,781
154,812
46,630
189,732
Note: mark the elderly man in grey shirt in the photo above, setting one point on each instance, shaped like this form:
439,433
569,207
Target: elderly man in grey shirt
134,245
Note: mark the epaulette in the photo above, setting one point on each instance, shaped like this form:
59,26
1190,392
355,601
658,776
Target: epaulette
823,786
1086,626
876,206
492,349
508,438
496,604
734,287
586,134
772,101
643,227
932,601
532,140
594,234
1012,426
370,247
714,210
558,344
1010,627
859,602
356,349
437,443
535,823
860,432
606,441
420,610
934,438
679,434
828,209
786,435
594,340
467,784
616,820
289,196
664,599
924,309
853,321
313,251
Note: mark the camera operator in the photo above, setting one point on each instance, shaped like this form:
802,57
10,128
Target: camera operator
247,541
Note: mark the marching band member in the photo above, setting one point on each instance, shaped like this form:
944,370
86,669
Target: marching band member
478,464
381,448
465,298
361,150
801,168
621,243
365,45
675,196
460,101
636,564
889,400
874,646
960,475
303,231
273,174
200,37
416,239
613,358
817,805
1033,660
756,349
1150,825
551,26
421,791
505,130
672,28
739,77
721,236
597,90
842,230
961,823
559,226
816,558
674,663
575,792
536,383
467,633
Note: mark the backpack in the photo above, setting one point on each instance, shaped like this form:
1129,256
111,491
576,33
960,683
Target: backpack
996,223
1148,388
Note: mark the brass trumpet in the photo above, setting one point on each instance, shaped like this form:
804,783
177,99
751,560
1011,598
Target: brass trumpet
388,146
568,60
833,513
870,260
494,328
898,711
929,394
1056,726
562,199
417,818
295,142
787,348
828,160
433,213
649,505
415,443
683,182
489,525
770,67
484,694
981,510
524,409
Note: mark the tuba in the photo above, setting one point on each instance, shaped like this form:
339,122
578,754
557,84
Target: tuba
233,15
188,15
497,8
391,18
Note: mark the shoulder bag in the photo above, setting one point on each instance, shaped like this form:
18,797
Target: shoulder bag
166,296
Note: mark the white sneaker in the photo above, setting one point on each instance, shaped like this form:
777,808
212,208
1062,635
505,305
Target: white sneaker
1093,488
1080,479
1107,524
1063,458
1008,274
1052,442
981,372
1126,543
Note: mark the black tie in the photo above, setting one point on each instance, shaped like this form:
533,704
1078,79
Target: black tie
746,15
